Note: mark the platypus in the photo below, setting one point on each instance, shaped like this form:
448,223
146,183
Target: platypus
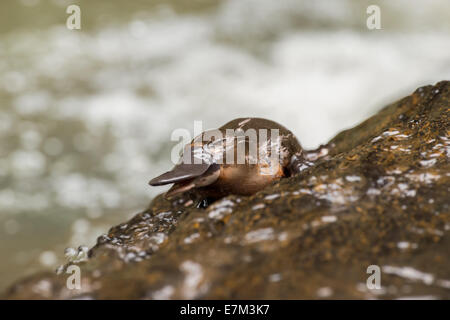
241,157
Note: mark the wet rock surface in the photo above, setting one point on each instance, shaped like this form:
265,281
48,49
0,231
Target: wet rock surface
376,194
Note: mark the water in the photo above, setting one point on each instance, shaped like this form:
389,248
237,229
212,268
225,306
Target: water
86,116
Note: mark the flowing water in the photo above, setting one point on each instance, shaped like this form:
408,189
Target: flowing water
86,115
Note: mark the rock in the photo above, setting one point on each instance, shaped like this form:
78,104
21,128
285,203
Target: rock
376,194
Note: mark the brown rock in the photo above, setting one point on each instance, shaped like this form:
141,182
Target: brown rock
376,194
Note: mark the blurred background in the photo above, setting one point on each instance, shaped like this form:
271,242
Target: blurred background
86,115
